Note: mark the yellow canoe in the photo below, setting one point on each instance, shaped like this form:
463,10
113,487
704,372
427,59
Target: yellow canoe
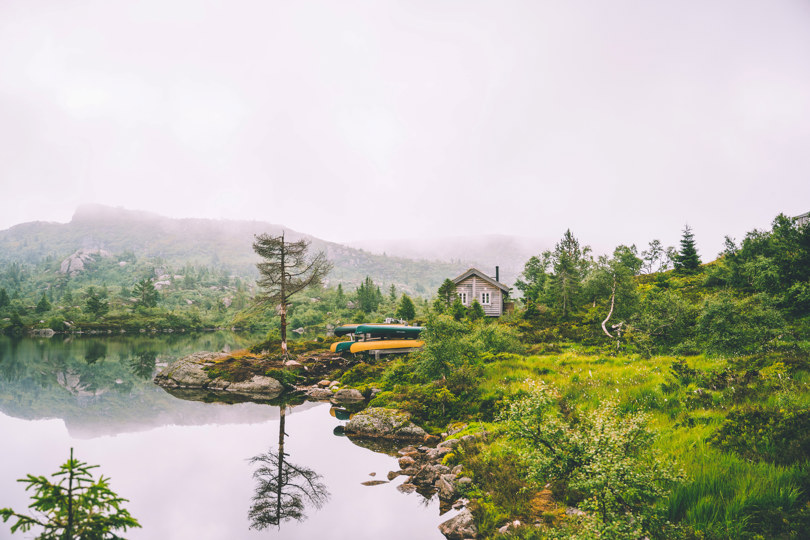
377,345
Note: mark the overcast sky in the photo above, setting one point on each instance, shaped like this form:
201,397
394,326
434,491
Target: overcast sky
620,120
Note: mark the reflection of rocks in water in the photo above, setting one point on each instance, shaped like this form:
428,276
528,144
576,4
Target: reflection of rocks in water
382,446
210,396
340,413
72,382
373,482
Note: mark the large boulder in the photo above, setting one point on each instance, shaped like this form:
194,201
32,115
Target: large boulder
447,487
75,263
459,527
385,424
347,395
189,371
257,385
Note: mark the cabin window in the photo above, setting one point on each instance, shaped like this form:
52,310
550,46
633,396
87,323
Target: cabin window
463,297
485,298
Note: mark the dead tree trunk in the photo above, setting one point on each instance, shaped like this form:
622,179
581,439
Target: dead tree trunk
612,303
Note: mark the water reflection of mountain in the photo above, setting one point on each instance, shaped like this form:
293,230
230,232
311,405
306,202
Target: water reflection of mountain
103,386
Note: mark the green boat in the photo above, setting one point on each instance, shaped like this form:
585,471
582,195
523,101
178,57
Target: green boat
345,330
398,331
343,346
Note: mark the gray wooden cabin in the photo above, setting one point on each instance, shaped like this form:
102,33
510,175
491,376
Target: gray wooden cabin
490,293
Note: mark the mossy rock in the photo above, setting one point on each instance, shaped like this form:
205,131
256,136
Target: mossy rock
382,423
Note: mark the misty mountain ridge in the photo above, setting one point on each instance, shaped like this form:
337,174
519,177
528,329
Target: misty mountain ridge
228,244
484,252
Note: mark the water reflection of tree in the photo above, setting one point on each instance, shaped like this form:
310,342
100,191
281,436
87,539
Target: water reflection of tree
283,489
12,365
142,364
96,351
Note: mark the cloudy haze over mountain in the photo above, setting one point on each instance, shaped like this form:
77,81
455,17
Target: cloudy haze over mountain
353,120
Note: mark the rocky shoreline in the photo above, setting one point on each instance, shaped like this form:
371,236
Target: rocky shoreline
420,460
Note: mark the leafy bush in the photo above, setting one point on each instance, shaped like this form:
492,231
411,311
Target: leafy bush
729,326
447,346
775,436
598,457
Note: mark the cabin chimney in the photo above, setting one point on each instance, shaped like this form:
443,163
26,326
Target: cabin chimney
497,273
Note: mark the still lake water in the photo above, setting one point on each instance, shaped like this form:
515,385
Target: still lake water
184,465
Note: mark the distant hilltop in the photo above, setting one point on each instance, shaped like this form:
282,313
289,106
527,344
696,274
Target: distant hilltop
223,243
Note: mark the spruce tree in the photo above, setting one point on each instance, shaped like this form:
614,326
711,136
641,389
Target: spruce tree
43,304
447,293
406,309
4,299
687,260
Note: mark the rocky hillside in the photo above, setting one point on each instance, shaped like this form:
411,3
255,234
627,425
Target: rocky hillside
206,242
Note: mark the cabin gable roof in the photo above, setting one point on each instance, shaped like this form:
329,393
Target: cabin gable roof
478,273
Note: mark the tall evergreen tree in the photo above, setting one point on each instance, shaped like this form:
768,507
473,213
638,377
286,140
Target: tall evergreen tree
687,260
146,293
96,303
406,310
447,293
43,304
4,299
569,262
369,296
340,297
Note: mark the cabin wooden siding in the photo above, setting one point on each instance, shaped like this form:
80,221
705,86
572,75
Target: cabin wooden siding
474,287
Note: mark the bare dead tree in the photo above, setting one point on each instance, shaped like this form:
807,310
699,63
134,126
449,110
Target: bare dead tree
286,269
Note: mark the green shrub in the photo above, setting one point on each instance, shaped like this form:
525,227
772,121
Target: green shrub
599,457
775,436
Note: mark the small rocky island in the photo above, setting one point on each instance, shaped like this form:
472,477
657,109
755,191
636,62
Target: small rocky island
259,376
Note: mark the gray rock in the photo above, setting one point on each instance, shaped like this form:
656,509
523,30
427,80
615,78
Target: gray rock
406,488
447,487
452,443
75,263
441,469
437,453
461,503
457,469
257,385
219,384
324,383
427,476
393,474
347,395
460,527
405,462
188,372
377,422
319,393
